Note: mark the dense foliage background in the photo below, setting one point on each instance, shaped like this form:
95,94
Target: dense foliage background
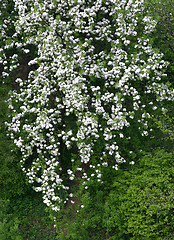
134,202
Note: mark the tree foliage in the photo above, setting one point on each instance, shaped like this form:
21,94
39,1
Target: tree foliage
91,78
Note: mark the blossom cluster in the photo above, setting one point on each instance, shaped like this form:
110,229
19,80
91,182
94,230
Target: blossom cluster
95,65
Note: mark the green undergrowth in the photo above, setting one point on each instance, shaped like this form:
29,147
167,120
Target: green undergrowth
25,218
139,205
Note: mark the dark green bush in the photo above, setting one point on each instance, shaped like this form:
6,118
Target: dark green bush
12,179
141,205
163,36
25,218
84,220
9,226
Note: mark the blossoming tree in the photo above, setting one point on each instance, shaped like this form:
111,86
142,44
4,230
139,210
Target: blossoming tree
94,74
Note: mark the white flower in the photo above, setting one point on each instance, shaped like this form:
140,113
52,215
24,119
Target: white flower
121,135
132,163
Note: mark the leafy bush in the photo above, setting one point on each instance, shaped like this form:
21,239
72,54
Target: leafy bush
141,204
84,220
25,218
12,179
164,34
9,226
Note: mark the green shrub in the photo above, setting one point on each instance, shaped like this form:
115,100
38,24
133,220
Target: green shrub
9,226
141,205
25,218
84,220
163,35
12,179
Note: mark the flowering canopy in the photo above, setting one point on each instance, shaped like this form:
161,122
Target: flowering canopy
95,72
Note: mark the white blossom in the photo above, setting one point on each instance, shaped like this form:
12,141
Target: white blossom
86,69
